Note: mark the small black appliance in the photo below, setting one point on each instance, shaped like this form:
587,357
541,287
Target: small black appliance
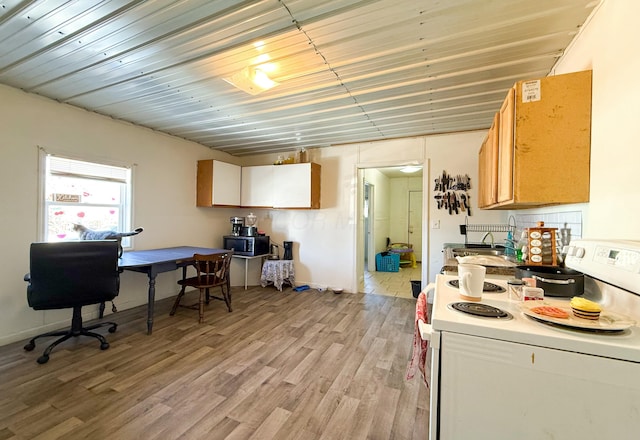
288,250
248,246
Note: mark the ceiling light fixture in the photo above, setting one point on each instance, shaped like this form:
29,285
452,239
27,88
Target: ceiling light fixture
410,169
252,80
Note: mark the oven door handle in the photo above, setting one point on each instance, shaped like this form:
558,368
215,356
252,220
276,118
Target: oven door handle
550,281
426,330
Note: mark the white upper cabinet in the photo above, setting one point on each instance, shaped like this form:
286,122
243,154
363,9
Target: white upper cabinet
296,186
218,184
257,186
263,186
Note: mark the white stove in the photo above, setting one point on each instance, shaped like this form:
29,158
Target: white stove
526,379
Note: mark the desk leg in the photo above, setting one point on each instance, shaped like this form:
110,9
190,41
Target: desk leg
151,301
246,268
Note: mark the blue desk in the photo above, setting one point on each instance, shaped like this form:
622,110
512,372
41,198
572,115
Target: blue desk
155,261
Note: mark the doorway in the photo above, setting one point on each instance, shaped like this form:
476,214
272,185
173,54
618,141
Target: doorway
390,210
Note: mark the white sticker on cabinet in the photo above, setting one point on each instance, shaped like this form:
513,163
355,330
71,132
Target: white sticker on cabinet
531,91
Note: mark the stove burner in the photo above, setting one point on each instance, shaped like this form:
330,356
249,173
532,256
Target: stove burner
488,287
481,310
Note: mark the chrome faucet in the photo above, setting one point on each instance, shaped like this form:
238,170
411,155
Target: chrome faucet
488,234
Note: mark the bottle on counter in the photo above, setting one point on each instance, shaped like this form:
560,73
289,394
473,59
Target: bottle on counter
510,245
521,247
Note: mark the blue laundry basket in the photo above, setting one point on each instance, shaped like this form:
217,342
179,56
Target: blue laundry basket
387,262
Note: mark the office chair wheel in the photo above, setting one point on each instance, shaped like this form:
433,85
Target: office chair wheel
43,359
104,346
30,346
113,328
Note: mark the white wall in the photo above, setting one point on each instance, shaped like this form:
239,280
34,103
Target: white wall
455,154
609,44
164,197
331,234
329,241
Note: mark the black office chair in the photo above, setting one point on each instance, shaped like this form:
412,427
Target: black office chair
71,275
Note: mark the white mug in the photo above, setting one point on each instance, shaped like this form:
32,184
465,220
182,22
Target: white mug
471,281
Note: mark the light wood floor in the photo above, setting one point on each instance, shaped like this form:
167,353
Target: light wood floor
282,365
396,284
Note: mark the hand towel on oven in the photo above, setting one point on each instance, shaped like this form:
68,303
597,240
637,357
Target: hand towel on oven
420,346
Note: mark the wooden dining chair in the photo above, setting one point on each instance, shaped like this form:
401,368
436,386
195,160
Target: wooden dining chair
211,271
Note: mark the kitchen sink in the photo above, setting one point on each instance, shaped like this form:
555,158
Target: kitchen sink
466,251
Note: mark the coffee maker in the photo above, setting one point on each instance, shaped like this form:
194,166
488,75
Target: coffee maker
236,225
288,250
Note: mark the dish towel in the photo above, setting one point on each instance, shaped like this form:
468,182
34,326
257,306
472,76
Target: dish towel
420,346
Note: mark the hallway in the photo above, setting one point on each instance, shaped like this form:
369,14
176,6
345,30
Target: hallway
397,284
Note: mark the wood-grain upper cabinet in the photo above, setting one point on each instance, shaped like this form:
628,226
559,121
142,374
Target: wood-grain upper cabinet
257,186
488,166
218,184
544,144
297,186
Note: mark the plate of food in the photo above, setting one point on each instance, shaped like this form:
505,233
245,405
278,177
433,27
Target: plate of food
568,314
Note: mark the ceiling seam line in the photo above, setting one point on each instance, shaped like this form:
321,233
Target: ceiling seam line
331,69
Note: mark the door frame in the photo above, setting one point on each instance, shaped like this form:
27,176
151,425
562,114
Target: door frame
409,217
358,276
369,228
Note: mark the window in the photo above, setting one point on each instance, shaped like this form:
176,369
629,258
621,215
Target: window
95,195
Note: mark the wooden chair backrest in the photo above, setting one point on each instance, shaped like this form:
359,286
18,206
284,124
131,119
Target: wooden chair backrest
213,268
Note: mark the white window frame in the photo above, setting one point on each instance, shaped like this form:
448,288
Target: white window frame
125,219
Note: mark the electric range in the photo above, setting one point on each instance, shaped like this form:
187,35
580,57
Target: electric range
623,345
537,379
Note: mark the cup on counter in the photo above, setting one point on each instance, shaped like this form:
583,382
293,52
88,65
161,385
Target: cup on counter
471,281
514,290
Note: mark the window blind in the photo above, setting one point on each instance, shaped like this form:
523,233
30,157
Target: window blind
74,168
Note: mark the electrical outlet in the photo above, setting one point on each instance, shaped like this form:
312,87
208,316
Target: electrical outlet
435,224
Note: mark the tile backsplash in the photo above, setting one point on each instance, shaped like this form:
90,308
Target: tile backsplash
569,223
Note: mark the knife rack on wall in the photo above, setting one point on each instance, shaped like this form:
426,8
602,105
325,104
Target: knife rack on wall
451,193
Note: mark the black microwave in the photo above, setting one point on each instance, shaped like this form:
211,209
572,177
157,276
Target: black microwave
248,246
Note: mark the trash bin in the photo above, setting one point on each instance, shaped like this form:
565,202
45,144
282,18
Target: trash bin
416,287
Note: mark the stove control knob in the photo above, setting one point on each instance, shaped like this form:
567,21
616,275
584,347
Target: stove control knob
579,252
571,251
